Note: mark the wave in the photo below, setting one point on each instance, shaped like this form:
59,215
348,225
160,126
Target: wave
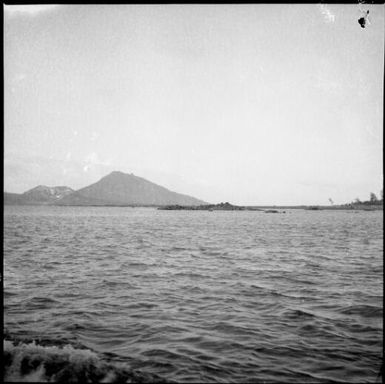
8,294
294,314
364,310
29,361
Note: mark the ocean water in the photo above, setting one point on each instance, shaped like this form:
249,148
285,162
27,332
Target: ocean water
141,295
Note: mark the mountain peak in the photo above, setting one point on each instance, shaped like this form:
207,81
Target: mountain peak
119,173
119,188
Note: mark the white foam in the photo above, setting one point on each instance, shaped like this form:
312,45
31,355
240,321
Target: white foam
74,357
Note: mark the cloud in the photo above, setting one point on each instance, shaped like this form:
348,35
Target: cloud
328,15
20,77
94,136
92,161
31,10
92,158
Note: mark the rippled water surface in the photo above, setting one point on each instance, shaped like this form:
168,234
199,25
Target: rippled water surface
201,296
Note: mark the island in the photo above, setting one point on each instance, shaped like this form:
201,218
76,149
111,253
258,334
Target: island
210,207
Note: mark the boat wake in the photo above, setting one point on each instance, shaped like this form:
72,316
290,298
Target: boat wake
32,362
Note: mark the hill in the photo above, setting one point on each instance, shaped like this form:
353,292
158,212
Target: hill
40,195
120,188
43,194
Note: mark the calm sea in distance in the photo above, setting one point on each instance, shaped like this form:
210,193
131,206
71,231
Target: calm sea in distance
191,296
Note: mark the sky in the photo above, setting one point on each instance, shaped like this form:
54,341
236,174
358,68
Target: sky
251,104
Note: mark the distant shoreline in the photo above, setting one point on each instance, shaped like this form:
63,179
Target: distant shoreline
217,207
274,208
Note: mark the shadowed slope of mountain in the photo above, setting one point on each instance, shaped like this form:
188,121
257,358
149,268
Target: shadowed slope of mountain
38,195
120,188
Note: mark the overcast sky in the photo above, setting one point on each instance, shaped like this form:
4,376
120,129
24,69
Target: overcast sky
251,104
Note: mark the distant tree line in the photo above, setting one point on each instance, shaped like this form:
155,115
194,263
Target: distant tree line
373,200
